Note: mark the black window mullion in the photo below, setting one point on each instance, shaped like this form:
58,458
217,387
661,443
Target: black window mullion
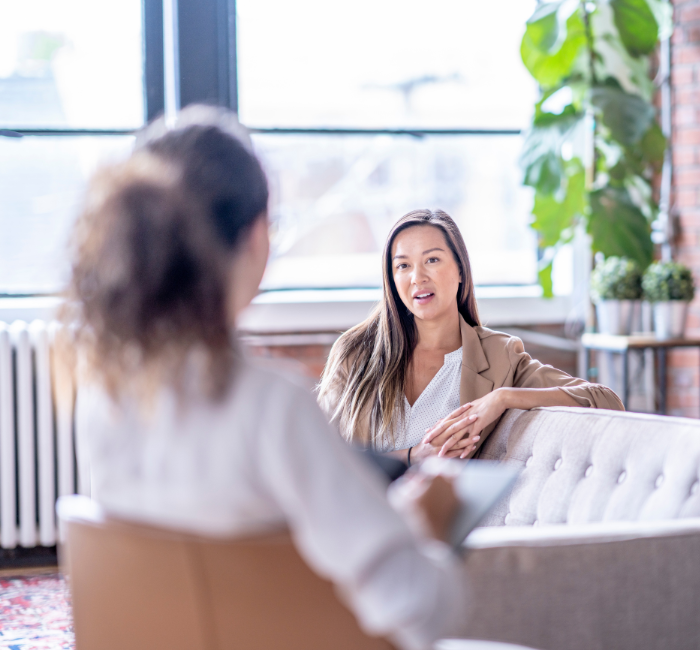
228,55
153,75
206,37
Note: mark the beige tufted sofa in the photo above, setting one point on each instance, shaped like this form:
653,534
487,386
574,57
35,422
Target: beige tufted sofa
598,544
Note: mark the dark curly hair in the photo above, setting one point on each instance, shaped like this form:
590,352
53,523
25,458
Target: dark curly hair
149,292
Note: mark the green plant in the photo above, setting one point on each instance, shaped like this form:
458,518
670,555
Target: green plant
594,144
616,278
668,281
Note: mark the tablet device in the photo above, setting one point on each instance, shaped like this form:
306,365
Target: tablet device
391,468
479,484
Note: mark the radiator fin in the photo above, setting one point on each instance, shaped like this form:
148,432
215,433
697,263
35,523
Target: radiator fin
37,447
8,478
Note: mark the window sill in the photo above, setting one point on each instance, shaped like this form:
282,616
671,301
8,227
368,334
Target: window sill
276,312
29,308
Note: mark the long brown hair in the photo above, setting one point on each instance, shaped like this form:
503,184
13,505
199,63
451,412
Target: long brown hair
152,251
364,380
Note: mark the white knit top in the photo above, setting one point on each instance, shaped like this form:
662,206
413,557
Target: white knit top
440,398
262,459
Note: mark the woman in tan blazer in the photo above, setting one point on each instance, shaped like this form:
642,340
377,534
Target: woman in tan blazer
397,382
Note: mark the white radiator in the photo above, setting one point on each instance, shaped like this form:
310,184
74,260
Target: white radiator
37,450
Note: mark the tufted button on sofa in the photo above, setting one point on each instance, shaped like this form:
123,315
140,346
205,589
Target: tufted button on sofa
598,544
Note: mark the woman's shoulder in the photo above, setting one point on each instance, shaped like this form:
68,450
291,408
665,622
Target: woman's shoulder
494,338
256,386
499,345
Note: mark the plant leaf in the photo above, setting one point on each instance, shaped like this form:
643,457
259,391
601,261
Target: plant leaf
543,26
618,227
619,171
544,275
552,217
556,102
663,13
653,145
636,24
541,157
627,116
546,27
545,173
564,120
549,68
636,71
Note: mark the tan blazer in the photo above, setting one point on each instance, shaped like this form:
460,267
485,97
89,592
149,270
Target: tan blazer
493,360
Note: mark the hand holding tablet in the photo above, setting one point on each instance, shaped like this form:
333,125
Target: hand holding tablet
450,512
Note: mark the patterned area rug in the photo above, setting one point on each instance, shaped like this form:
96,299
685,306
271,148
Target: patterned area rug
35,613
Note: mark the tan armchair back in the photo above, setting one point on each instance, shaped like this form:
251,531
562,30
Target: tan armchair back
144,588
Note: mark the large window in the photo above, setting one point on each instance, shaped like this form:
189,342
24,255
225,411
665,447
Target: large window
71,63
71,84
41,183
369,109
383,63
361,111
335,198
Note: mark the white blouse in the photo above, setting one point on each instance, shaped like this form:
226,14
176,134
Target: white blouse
440,398
263,459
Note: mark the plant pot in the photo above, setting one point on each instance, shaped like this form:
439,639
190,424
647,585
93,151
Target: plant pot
615,316
669,319
646,317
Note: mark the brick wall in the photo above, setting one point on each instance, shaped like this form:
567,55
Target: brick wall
308,358
684,376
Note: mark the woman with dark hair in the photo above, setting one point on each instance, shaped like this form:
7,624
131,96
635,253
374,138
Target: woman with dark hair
421,376
183,431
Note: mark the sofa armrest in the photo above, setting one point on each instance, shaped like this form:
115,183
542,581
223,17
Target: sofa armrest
618,585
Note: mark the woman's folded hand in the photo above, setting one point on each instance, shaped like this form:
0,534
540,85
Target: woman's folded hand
455,425
478,414
456,435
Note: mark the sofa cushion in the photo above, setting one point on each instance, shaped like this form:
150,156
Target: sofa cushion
582,465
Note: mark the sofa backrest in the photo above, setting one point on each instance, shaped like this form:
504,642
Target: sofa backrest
583,465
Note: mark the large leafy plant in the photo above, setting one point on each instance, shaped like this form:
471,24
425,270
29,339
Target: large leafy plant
595,142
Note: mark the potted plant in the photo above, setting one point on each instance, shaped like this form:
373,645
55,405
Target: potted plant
616,288
669,286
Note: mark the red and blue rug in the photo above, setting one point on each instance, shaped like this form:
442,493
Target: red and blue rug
35,613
